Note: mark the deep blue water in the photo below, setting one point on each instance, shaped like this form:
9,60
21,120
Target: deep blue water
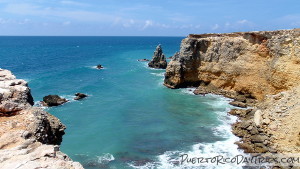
129,119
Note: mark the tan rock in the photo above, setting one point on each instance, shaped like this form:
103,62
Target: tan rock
262,66
256,63
266,121
257,117
28,134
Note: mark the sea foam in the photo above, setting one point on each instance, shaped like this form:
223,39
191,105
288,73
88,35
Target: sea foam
225,148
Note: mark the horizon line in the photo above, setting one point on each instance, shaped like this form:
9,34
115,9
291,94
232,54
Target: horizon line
87,36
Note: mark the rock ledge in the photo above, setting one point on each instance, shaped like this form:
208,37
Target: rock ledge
29,136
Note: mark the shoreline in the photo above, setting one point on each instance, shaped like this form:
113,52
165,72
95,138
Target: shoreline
243,128
260,71
29,136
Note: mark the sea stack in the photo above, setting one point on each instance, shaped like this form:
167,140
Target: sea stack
158,60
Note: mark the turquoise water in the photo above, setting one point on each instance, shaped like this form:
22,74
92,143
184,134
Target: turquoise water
129,120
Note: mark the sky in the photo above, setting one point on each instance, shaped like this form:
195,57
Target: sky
144,17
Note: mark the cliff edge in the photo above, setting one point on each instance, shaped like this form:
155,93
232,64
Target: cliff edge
257,69
29,136
254,63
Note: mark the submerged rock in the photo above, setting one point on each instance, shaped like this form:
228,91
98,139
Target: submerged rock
158,60
53,100
143,60
99,66
80,96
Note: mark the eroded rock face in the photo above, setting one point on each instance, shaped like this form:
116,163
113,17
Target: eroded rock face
254,63
256,69
46,128
14,93
158,60
28,135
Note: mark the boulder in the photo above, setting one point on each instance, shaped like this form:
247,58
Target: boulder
99,66
158,60
238,104
80,96
53,100
257,117
258,138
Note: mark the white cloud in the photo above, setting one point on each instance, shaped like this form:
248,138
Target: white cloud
3,21
74,3
292,20
295,23
244,21
79,15
198,26
131,21
186,26
66,23
128,23
147,24
227,24
215,27
164,26
25,21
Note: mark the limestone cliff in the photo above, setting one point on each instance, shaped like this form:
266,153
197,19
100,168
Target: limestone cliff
260,69
28,135
254,63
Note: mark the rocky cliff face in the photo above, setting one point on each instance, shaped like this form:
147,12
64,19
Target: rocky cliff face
260,69
254,63
14,93
28,135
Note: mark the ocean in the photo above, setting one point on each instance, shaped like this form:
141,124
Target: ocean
130,120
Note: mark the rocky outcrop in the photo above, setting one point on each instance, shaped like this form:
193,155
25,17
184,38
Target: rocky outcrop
29,136
158,60
80,96
14,93
143,60
99,67
256,69
53,100
252,63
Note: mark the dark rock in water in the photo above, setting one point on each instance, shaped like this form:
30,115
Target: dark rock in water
126,157
143,60
99,66
158,60
53,100
80,96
